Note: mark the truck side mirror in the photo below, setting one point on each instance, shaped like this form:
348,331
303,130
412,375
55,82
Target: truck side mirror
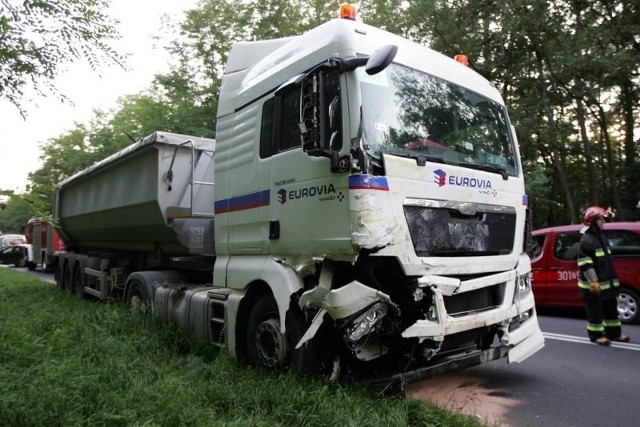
380,59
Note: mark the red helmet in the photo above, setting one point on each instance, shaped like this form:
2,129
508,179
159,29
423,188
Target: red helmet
594,212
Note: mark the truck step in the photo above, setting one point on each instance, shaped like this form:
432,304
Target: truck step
220,293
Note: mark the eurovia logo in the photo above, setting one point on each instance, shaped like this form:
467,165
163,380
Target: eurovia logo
441,178
282,196
324,193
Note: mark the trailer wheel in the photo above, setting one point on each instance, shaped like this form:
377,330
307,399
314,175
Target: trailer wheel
269,348
59,275
68,278
78,283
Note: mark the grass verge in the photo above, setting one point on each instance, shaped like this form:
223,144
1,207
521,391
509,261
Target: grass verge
71,362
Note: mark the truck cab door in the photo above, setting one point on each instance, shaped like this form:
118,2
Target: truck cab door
309,209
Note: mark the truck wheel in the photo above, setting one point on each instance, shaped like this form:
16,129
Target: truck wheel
31,266
267,347
78,283
628,302
137,295
68,278
59,276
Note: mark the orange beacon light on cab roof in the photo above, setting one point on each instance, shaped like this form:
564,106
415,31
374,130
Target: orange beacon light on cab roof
347,11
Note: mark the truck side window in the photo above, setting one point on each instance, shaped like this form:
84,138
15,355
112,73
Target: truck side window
289,122
267,129
279,130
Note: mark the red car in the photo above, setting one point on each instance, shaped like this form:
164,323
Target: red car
555,269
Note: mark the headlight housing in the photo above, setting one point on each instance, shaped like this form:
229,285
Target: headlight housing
523,287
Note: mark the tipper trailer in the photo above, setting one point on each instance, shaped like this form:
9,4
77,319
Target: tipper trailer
368,217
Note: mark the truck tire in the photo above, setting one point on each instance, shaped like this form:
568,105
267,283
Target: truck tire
68,278
628,306
31,265
78,282
268,348
136,290
59,275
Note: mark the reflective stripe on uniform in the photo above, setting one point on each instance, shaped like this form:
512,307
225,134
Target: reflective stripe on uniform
603,286
584,261
583,285
595,327
612,323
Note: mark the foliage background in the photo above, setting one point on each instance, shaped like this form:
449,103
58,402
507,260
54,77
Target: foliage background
568,70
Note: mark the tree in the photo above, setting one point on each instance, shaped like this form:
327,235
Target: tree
568,71
38,37
15,211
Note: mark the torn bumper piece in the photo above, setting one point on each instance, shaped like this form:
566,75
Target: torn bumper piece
395,383
344,302
369,304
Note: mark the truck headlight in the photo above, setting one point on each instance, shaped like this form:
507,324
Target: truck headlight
523,287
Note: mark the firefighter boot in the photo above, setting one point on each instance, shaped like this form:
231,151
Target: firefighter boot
621,338
602,341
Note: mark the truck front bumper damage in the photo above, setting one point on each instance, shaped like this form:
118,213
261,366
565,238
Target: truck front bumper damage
515,319
520,332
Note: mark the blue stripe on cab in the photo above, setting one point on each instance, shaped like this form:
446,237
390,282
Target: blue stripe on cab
241,203
368,182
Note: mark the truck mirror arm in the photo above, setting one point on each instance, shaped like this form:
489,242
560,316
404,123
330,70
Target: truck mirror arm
378,61
338,163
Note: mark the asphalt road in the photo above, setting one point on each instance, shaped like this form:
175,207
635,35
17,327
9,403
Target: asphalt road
39,273
570,382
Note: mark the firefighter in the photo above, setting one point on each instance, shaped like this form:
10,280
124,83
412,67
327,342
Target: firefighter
597,281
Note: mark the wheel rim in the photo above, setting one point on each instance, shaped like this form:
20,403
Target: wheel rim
271,345
627,306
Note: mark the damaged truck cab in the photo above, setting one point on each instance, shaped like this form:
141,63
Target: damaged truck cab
361,213
370,188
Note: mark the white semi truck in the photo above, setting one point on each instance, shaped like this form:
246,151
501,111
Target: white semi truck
368,217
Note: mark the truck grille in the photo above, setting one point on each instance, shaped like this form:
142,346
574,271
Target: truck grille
475,301
460,229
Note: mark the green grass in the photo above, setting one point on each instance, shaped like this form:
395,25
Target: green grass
70,362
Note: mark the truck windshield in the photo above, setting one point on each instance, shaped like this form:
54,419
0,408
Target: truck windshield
413,114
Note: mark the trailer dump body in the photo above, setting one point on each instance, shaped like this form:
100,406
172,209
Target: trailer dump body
155,195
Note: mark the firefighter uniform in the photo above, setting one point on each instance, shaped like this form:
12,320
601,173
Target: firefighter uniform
601,304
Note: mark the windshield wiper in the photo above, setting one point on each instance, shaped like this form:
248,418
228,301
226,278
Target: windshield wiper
421,158
489,167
